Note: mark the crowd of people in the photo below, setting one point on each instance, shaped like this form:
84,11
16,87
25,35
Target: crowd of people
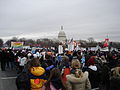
45,69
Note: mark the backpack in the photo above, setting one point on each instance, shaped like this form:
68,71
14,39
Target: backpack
23,81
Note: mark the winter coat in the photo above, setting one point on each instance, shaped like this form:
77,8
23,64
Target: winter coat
65,71
82,83
11,56
23,81
37,78
94,76
115,83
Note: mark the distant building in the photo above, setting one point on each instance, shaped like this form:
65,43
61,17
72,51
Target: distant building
62,35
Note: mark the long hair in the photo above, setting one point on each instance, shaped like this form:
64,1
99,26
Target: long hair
55,73
55,78
65,59
76,66
116,71
75,63
32,63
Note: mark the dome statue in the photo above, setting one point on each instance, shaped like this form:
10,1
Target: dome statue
62,35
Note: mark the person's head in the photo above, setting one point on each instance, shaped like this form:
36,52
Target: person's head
117,71
65,59
75,64
35,62
32,63
47,57
55,78
49,53
54,73
35,56
91,61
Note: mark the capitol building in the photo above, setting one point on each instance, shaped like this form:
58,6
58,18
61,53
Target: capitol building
62,35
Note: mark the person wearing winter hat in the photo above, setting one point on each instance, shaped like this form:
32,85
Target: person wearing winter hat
94,76
35,56
38,54
91,61
29,56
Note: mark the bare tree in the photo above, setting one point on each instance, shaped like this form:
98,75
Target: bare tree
1,42
91,39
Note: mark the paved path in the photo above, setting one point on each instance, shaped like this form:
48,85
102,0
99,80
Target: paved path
7,80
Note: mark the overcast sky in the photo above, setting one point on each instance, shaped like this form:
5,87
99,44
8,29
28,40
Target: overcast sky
42,18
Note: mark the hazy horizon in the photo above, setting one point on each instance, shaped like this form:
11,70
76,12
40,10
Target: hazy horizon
42,19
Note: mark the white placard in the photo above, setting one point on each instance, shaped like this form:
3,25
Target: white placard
60,49
71,47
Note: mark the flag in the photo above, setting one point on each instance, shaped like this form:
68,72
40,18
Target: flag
71,40
106,43
17,44
60,49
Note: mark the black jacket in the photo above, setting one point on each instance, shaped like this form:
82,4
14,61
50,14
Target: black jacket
94,78
115,83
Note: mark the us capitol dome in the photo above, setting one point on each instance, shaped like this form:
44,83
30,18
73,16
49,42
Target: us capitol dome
62,35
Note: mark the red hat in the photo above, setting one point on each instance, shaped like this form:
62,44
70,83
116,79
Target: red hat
91,61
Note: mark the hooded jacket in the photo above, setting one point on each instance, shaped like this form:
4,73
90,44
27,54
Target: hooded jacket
74,83
94,76
37,78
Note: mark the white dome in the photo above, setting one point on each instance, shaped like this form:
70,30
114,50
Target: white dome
62,35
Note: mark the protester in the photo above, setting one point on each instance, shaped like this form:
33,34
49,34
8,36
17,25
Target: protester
94,75
54,81
3,59
115,79
11,59
105,76
22,61
37,75
66,68
78,80
35,68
